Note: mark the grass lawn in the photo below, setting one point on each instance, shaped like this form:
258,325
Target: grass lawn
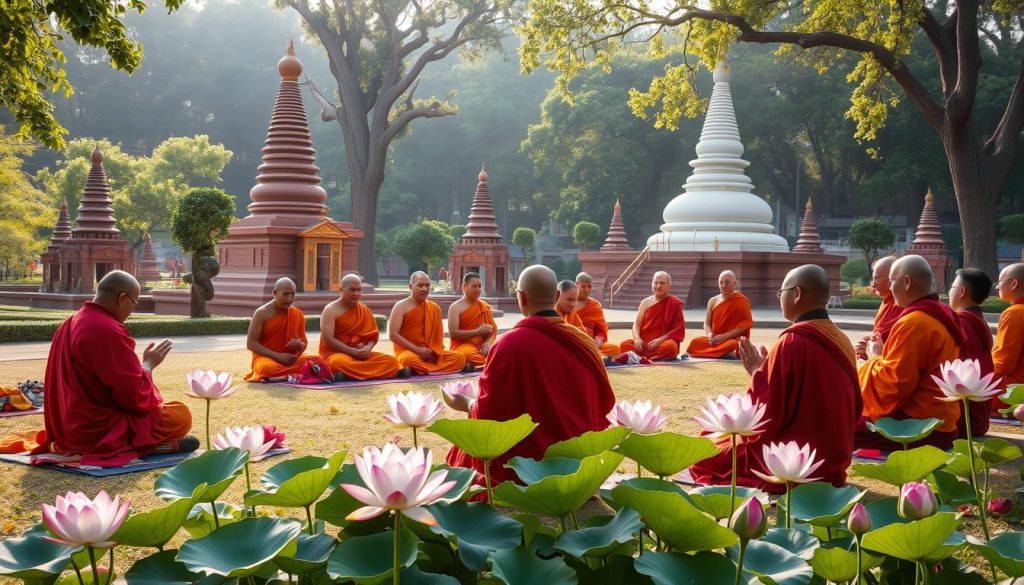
319,422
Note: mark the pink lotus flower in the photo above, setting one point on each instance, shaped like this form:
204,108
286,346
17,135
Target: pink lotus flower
209,385
735,414
459,395
749,521
1000,506
858,522
962,380
251,439
917,500
413,409
79,521
270,433
789,463
1018,412
397,481
639,416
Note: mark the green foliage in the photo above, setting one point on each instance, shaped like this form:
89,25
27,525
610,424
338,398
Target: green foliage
33,57
1011,227
586,234
423,244
526,239
870,235
456,230
855,271
994,305
24,210
201,218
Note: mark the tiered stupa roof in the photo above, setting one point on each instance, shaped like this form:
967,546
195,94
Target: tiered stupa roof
616,239
289,180
809,241
61,231
482,227
149,270
96,211
929,232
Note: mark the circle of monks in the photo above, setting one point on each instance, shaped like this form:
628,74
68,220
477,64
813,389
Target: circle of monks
819,388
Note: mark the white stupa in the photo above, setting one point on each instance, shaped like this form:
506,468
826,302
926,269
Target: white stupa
717,210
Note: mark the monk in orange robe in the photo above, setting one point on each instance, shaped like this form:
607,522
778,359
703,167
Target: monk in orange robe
277,337
565,304
415,330
788,382
1008,352
659,327
896,381
970,288
888,311
728,318
101,406
566,398
348,334
592,314
471,322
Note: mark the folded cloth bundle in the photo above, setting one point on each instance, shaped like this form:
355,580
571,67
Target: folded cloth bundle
25,396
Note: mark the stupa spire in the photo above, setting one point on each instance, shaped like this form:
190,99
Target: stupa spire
149,270
929,232
289,180
62,229
482,227
809,241
616,239
96,211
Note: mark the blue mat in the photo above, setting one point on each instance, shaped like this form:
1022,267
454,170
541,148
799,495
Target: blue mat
1006,421
144,464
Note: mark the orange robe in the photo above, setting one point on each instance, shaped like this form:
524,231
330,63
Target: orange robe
353,327
99,402
592,316
661,318
1008,352
898,383
472,317
422,326
728,315
277,332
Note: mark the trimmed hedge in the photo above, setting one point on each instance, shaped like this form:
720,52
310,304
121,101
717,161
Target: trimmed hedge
862,303
991,304
16,331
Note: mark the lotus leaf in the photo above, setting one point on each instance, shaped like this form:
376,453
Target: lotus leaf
904,431
1005,551
479,529
155,528
240,549
599,541
839,565
675,520
913,541
520,566
778,565
666,454
587,444
31,557
559,495
311,553
484,439
677,569
296,483
217,469
715,499
369,558
822,504
903,466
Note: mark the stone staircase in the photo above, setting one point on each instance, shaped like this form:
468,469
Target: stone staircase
638,286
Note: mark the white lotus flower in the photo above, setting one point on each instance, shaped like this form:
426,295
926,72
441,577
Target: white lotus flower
397,481
251,439
733,414
639,416
413,409
789,463
962,380
79,521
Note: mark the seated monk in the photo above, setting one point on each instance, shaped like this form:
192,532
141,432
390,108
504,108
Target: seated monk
728,318
471,322
659,327
348,334
1008,352
277,337
565,304
566,399
888,311
788,382
592,314
968,291
415,329
896,381
101,407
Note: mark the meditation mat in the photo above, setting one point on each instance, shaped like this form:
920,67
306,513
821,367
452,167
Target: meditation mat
144,464
21,412
1006,421
869,456
361,383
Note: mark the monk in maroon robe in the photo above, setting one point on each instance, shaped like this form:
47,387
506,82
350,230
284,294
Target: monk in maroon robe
101,406
808,384
543,367
970,288
888,311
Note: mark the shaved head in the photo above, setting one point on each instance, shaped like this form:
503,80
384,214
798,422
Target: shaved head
418,275
351,279
727,283
884,263
727,273
663,274
283,283
566,285
114,283
584,277
419,285
880,276
284,293
911,278
1011,282
538,288
804,289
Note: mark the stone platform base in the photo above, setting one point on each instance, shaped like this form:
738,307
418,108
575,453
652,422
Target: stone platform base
61,301
695,274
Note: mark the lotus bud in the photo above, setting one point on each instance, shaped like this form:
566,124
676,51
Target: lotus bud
859,522
749,521
1000,506
1018,412
966,510
917,501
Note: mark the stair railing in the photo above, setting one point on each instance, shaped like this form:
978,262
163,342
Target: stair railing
627,275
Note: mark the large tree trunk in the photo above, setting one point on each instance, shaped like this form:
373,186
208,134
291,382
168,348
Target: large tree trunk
977,194
364,215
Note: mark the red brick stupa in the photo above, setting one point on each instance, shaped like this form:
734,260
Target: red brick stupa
616,239
149,270
928,242
481,250
809,242
96,246
287,231
51,257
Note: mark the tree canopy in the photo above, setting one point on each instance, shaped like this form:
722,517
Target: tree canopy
25,213
424,244
870,235
201,218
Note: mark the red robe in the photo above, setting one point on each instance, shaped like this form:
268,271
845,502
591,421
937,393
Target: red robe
888,313
809,386
977,346
547,369
664,318
100,402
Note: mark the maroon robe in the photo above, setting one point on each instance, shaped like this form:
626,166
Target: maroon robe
547,369
888,313
809,387
977,345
